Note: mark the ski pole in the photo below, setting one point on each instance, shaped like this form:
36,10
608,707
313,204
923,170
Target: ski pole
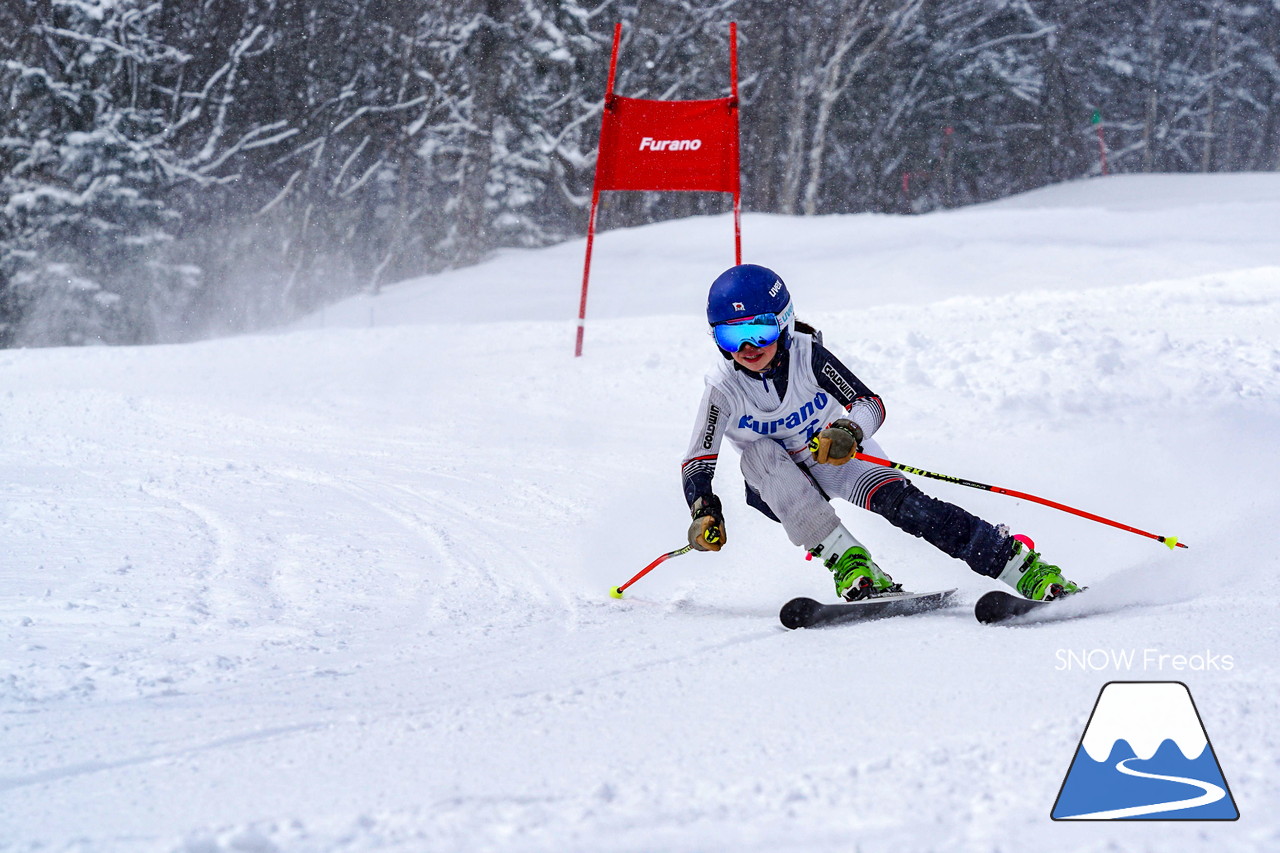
1170,541
617,591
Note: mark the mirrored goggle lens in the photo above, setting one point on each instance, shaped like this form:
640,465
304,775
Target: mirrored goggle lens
759,331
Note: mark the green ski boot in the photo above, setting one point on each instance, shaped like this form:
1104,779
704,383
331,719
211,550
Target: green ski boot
1031,576
856,575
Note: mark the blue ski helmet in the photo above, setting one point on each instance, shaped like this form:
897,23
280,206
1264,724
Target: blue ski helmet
747,290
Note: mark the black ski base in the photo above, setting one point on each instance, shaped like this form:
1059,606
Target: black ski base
807,613
998,606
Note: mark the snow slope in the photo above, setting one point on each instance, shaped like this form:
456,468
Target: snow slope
344,587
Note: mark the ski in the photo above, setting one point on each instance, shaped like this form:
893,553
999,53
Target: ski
998,606
807,613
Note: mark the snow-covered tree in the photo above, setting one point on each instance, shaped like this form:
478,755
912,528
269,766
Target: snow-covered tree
172,168
87,228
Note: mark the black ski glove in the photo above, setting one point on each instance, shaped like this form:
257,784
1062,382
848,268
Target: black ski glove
836,444
706,533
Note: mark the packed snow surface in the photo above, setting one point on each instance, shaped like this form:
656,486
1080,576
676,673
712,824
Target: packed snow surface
344,587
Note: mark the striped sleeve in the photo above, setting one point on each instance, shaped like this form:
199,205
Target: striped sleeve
699,465
865,408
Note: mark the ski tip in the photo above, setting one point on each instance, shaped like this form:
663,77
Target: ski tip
616,592
998,605
798,612
989,608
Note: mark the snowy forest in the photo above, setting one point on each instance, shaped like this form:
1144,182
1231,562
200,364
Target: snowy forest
174,169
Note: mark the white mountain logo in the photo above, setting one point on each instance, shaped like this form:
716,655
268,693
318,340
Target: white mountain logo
1145,755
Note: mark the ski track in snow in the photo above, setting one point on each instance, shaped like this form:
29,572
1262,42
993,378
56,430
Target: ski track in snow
346,588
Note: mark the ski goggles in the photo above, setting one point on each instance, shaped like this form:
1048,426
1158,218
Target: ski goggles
759,331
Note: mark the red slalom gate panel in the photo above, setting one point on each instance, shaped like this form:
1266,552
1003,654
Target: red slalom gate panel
665,145
668,145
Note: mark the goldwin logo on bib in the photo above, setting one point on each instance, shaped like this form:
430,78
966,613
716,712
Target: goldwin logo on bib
650,144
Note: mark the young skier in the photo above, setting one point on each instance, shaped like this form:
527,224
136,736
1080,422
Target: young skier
797,415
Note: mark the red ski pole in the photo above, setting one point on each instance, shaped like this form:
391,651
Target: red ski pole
617,591
1171,541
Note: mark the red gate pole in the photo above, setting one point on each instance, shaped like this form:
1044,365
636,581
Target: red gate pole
586,275
737,169
595,196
